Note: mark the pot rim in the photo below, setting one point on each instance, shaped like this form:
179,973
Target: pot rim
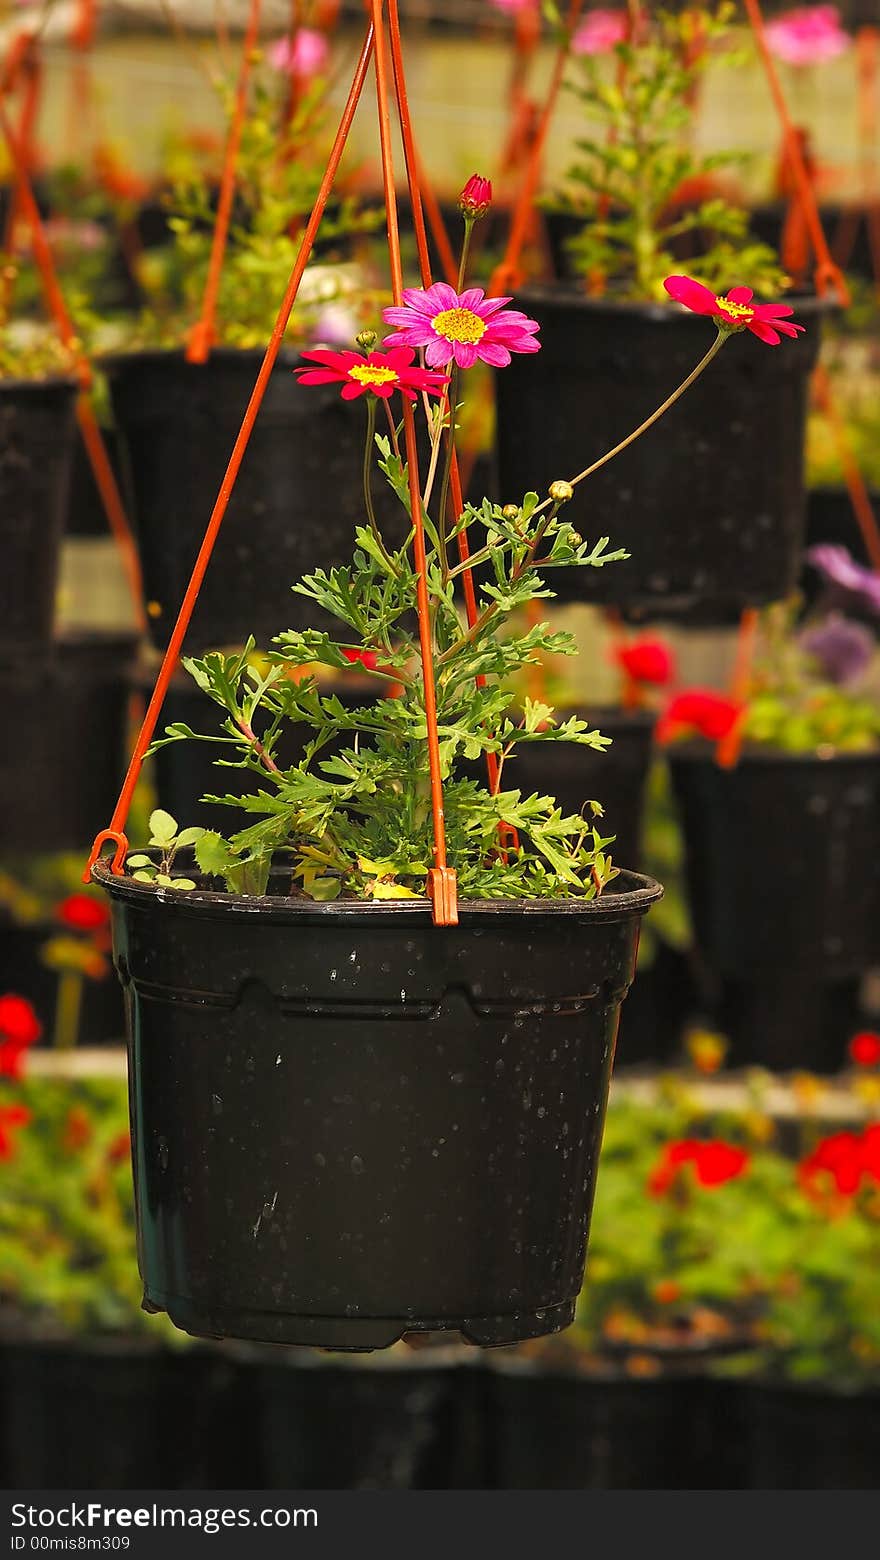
698,753
110,360
42,383
636,899
561,293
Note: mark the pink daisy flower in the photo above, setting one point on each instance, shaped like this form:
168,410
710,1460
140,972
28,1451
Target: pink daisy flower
379,373
735,311
461,328
600,32
808,35
306,57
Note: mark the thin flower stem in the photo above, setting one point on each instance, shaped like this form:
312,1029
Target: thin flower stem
368,487
465,252
452,402
392,426
624,444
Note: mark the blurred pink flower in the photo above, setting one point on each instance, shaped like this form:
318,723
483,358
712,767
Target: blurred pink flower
306,57
808,35
600,32
512,6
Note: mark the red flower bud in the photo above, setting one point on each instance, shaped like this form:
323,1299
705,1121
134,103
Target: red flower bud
368,659
864,1049
647,660
476,198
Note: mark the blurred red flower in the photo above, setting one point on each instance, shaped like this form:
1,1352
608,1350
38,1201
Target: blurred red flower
11,1117
77,1130
700,710
712,1164
647,660
119,1149
842,1162
82,913
368,659
864,1049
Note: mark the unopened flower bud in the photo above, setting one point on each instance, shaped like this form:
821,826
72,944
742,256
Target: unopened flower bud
511,511
561,492
476,198
367,340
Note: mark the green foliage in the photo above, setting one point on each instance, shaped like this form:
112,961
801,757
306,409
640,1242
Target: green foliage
279,171
638,185
791,707
355,814
167,839
67,1262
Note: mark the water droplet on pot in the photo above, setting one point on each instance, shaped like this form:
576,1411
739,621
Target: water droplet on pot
163,1153
357,1165
216,1105
456,1077
333,974
541,1112
320,1161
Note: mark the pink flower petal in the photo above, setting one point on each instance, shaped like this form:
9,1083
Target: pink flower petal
764,332
353,390
494,353
319,376
438,352
465,353
692,294
741,295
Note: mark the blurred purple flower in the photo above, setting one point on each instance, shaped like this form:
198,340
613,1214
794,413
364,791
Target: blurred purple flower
841,648
841,571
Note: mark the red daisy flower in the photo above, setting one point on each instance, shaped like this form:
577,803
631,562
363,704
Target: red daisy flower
379,373
735,311
839,1157
19,1024
864,1049
712,1164
82,913
709,714
647,660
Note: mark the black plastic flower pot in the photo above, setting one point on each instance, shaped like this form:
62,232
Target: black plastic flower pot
709,503
295,505
86,515
184,772
786,1020
349,1124
606,1429
115,1413
662,999
781,859
801,1437
68,713
830,518
36,448
415,1422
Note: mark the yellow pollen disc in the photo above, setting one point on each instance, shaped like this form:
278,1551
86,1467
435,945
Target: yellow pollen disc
460,325
368,374
736,311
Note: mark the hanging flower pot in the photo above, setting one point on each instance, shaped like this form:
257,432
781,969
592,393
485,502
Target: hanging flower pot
781,856
36,448
69,712
709,502
294,506
806,1436
349,1124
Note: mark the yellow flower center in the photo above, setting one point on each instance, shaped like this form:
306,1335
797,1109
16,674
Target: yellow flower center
734,311
460,325
372,374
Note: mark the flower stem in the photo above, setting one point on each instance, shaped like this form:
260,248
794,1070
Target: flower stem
465,251
452,402
649,422
368,486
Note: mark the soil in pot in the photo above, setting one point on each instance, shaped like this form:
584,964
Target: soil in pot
386,1424
349,1124
295,506
811,1438
119,1414
184,772
781,861
37,425
69,712
609,1429
709,503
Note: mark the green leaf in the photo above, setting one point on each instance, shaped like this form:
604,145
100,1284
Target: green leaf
163,828
138,861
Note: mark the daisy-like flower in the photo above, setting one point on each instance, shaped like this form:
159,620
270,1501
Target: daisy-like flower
461,328
303,58
379,373
808,35
600,32
847,579
735,311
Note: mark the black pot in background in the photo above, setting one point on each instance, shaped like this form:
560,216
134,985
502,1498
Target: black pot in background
786,1020
60,776
845,226
184,772
37,423
405,1120
609,1430
801,1437
124,1415
781,856
830,518
102,1011
85,510
295,506
415,1424
661,1000
710,502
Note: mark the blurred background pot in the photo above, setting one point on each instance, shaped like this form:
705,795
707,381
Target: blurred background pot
37,424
